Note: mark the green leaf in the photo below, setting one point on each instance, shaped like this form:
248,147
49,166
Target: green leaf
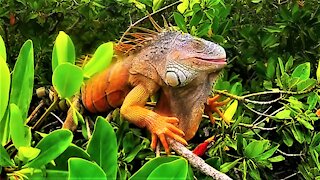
3,53
255,1
5,128
271,68
196,18
101,60
229,165
267,154
67,80
276,158
179,19
302,71
4,87
312,100
21,136
148,167
306,84
287,138
315,141
28,153
177,169
63,50
32,173
255,148
318,72
298,135
157,4
51,147
22,79
183,6
284,114
61,162
289,64
5,160
305,123
83,169
102,147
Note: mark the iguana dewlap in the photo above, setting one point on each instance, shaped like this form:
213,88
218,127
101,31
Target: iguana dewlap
179,66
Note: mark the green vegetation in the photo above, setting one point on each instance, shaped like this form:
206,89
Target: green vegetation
272,77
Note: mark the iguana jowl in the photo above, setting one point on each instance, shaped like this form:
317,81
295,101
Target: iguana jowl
179,66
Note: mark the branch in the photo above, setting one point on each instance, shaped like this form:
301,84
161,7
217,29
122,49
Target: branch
196,161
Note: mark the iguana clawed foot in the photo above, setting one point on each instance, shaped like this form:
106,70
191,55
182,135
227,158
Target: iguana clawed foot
212,105
162,127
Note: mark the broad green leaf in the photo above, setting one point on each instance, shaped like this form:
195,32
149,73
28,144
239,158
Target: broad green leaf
61,162
255,1
229,165
276,158
22,79
236,89
302,71
102,147
5,128
254,173
5,160
84,169
63,50
239,143
281,66
182,7
284,114
305,123
255,148
148,167
315,140
51,147
312,100
267,154
19,133
3,53
28,153
67,80
177,169
157,4
289,64
4,86
287,139
230,111
306,84
179,19
101,60
318,72
49,174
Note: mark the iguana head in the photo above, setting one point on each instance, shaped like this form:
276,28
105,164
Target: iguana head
188,56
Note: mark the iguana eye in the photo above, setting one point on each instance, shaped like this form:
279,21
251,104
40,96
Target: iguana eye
197,44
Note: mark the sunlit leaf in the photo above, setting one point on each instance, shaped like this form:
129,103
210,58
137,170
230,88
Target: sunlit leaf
84,169
102,147
318,72
276,158
182,7
4,87
67,79
230,111
3,53
63,50
284,114
255,148
51,147
22,79
101,60
228,165
177,169
28,153
157,4
19,133
305,123
302,71
5,128
49,174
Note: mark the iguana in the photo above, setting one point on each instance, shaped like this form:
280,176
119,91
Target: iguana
178,66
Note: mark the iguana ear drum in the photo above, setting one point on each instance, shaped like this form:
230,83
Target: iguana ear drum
178,75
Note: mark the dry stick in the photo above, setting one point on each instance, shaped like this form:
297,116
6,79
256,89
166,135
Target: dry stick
196,161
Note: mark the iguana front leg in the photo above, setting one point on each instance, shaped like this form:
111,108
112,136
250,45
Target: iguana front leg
160,126
212,105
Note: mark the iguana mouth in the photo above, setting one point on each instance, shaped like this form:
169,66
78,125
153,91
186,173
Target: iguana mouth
216,61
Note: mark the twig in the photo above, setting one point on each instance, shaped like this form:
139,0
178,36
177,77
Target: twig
253,126
196,161
274,112
257,112
289,155
264,112
140,20
35,111
290,176
45,114
57,117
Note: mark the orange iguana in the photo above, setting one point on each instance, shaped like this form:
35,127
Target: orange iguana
179,66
